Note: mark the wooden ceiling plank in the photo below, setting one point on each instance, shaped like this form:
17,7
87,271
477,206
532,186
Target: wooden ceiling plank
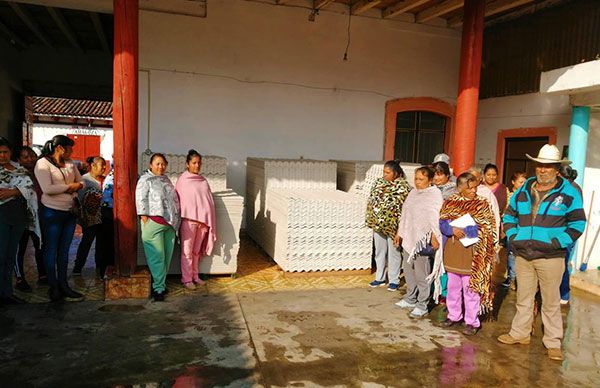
320,4
363,6
401,7
491,9
12,36
62,23
100,31
438,10
26,17
455,21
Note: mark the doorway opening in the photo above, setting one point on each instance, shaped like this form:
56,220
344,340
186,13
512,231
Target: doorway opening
515,159
513,144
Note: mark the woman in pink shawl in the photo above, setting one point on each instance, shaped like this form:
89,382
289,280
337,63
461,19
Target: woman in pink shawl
198,225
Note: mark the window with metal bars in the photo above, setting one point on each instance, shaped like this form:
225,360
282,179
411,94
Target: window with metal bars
419,136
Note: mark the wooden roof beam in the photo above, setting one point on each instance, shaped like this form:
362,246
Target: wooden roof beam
492,8
12,37
26,17
438,10
281,2
401,7
61,22
320,4
363,6
100,31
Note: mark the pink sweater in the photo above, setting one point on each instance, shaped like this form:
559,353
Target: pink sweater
54,184
197,204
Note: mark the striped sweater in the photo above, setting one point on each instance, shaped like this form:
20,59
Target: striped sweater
557,223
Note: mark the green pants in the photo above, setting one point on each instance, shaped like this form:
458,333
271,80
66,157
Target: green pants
159,241
444,281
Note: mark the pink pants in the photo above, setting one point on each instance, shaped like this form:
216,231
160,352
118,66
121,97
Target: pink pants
193,235
458,289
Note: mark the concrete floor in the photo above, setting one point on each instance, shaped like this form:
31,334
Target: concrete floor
336,337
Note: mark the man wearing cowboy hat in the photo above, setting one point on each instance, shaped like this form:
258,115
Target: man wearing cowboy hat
544,217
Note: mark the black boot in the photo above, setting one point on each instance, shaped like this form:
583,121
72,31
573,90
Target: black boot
70,294
158,296
54,294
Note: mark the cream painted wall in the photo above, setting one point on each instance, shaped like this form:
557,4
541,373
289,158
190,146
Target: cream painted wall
523,111
253,79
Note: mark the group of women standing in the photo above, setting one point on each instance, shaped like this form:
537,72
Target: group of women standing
166,210
43,199
50,183
438,247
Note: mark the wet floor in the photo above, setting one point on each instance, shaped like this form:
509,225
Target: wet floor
350,337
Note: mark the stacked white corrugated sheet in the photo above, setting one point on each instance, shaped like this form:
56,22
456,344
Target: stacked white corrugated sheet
214,168
358,176
229,208
266,174
351,174
301,220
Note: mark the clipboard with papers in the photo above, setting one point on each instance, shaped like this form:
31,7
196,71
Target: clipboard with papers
462,222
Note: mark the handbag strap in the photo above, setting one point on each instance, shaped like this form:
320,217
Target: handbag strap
59,169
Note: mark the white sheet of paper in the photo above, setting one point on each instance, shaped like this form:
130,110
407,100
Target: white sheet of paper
462,222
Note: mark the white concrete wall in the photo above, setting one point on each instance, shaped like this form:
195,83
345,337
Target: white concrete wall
253,79
45,132
543,110
523,111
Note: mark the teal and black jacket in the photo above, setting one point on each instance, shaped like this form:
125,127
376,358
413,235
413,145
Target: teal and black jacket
559,221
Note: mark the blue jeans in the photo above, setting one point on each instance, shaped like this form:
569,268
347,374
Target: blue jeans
565,289
510,266
10,235
58,227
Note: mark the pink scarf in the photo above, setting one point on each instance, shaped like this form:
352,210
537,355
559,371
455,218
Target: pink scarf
197,204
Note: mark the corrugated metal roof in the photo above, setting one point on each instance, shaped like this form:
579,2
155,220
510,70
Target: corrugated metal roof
66,107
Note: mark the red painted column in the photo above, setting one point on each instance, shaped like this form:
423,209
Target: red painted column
125,129
463,148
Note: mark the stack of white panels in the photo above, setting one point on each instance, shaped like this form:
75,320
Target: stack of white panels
229,208
214,169
351,174
317,230
266,174
301,220
358,177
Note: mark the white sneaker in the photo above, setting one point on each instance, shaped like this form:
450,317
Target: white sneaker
404,304
418,313
564,302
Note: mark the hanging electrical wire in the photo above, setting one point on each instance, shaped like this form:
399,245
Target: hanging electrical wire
348,37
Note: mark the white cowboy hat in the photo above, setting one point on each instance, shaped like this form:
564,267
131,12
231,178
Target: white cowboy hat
549,154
